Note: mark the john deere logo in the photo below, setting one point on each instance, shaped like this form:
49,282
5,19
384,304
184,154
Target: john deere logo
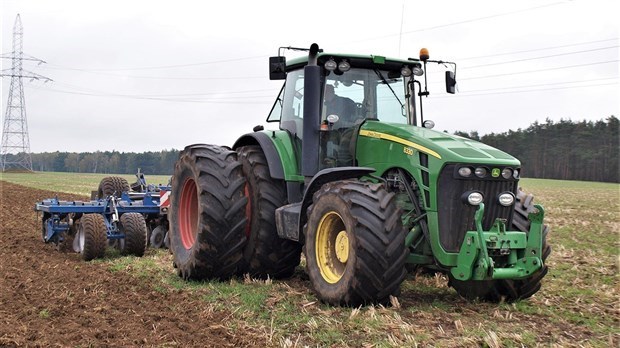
495,172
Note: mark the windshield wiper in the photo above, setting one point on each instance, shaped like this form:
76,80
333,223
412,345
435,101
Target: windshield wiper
390,87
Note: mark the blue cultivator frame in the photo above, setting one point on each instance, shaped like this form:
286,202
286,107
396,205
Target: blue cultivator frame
59,216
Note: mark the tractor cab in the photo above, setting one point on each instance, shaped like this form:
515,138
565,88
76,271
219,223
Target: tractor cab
352,89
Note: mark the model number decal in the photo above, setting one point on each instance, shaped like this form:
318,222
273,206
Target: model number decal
410,145
408,151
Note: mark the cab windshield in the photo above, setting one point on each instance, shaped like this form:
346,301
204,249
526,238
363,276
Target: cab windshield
360,94
353,95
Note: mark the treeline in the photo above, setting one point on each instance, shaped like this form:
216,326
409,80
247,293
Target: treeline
565,150
109,162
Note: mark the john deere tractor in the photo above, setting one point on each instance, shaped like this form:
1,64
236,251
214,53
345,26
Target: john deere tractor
359,182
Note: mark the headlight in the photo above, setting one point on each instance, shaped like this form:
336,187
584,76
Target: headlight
481,172
506,199
405,71
473,197
344,66
465,171
429,124
515,174
331,65
507,173
333,118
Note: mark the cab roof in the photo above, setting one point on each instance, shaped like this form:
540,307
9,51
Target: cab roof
356,60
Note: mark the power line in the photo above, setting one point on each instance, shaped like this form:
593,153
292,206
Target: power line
540,70
159,77
537,49
529,90
538,85
163,66
210,101
81,88
540,57
226,99
463,22
100,71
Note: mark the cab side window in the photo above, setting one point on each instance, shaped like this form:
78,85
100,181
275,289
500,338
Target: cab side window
293,103
276,110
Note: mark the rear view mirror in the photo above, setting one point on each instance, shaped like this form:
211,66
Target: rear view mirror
277,68
450,82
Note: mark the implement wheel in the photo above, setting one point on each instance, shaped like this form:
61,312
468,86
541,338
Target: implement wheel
509,290
355,244
207,213
44,219
157,237
112,185
134,228
266,254
91,238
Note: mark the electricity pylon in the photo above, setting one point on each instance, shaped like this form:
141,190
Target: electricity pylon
15,149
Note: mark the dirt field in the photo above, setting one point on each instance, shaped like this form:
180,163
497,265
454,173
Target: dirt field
50,298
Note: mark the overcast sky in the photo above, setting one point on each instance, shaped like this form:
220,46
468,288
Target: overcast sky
152,75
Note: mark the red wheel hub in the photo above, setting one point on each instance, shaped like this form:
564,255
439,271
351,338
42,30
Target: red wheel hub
188,213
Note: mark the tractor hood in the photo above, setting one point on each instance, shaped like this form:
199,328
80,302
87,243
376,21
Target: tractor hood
443,146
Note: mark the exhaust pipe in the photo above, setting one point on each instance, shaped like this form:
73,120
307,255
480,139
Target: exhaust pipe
312,114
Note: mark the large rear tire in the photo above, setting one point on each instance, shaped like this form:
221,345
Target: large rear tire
134,228
112,185
355,244
266,254
509,290
93,236
207,213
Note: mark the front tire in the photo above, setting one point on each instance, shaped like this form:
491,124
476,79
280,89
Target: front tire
509,290
266,254
207,213
355,244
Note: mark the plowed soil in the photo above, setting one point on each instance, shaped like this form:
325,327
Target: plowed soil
50,298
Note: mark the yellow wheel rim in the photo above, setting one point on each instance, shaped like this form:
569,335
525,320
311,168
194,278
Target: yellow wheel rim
342,246
332,247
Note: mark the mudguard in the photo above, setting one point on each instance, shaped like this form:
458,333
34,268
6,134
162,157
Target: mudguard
269,149
291,218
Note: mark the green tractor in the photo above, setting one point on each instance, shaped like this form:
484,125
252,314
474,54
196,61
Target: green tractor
358,181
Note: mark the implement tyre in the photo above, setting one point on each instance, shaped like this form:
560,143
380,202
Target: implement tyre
207,213
355,244
509,290
112,185
157,237
44,219
134,228
93,236
266,254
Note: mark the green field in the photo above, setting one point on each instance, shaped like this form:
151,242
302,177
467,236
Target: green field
578,305
76,183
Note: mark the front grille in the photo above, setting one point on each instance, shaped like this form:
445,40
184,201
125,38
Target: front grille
457,217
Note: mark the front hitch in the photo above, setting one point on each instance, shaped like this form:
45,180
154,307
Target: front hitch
519,254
